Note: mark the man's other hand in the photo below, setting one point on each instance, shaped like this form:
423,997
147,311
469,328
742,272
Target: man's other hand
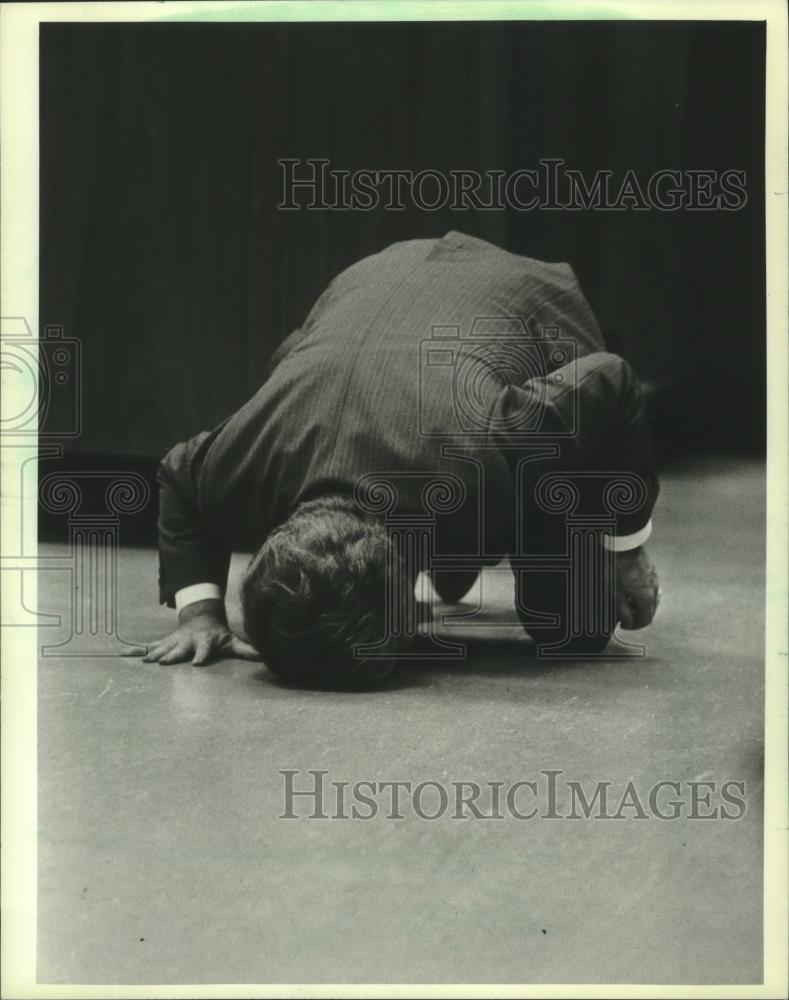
637,589
203,635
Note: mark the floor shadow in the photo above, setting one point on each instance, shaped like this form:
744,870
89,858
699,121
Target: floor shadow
483,657
502,657
400,679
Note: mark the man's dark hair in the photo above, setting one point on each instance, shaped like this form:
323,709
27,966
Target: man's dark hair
324,582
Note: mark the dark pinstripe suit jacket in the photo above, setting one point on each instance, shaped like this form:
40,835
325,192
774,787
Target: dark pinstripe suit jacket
446,358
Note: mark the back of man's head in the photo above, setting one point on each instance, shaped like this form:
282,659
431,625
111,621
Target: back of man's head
325,582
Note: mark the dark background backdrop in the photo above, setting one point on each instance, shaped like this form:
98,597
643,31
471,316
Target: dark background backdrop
163,251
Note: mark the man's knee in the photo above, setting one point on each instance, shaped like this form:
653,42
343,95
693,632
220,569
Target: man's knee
579,626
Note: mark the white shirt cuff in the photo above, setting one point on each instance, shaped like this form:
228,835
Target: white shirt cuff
618,543
197,592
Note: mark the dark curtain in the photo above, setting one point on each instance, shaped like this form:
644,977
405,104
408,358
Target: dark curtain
164,252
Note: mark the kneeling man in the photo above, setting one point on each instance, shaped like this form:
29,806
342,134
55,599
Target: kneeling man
444,405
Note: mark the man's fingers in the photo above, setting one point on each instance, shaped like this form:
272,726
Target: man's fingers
200,650
645,609
158,649
637,611
242,650
203,652
135,651
181,652
624,613
638,592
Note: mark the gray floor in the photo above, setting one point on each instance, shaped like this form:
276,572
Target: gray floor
162,858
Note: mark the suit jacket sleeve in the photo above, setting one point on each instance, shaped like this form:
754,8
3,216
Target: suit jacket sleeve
594,410
189,552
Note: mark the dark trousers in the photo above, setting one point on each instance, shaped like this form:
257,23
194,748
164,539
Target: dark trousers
564,578
565,599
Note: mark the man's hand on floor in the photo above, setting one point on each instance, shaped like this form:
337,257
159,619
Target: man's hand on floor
637,589
203,635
